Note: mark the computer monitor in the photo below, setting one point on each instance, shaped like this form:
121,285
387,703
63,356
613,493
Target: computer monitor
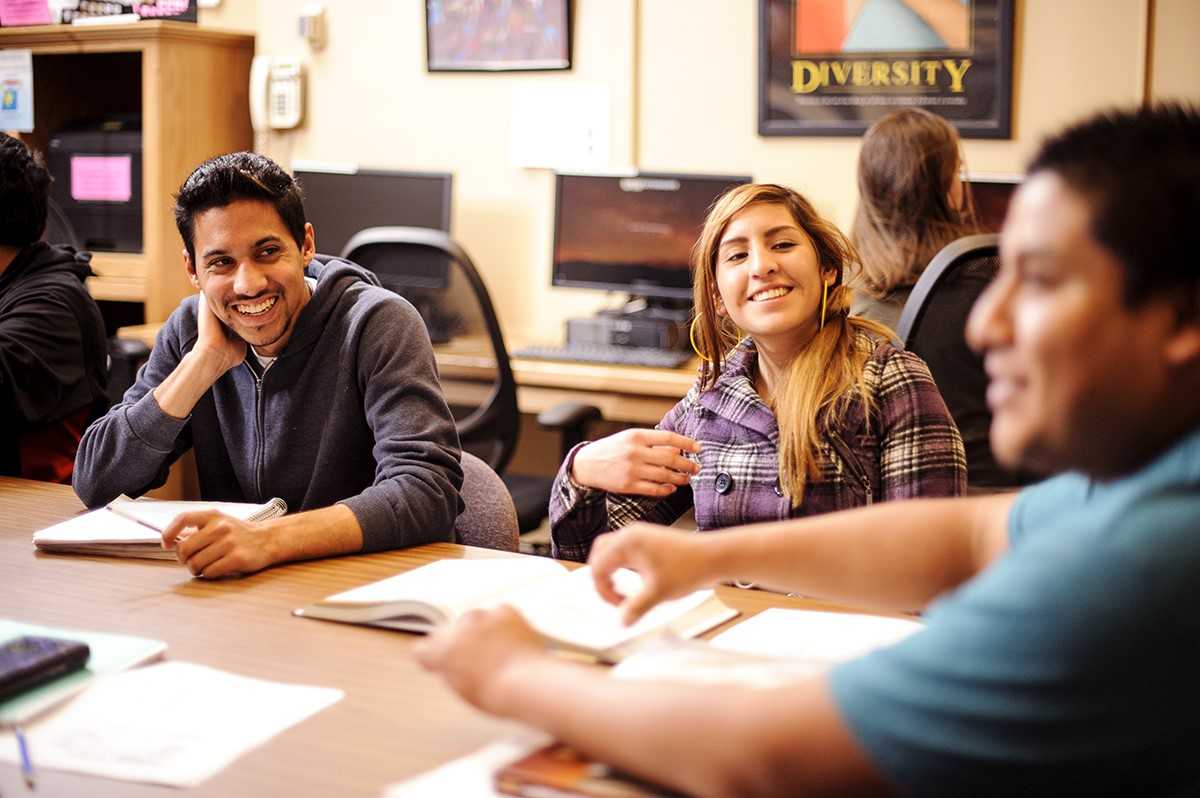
991,194
632,233
341,203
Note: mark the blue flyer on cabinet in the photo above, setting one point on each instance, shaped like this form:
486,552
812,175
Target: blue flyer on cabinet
16,90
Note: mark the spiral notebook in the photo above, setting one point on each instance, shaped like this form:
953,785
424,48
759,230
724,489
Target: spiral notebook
133,527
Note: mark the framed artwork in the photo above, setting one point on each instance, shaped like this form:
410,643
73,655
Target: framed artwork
497,35
832,67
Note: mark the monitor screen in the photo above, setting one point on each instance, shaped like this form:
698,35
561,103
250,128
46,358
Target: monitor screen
340,204
991,195
632,233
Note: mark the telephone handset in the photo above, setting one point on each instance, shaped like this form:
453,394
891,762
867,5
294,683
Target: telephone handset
276,92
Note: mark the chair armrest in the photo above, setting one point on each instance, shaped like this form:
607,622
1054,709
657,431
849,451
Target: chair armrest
570,418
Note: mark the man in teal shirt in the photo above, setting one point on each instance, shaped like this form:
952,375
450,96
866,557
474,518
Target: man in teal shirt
1062,635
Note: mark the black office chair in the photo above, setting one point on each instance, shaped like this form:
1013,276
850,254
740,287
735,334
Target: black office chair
59,229
436,274
124,357
940,270
933,326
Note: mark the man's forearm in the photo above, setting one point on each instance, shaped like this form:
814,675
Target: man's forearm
183,387
733,741
896,556
310,535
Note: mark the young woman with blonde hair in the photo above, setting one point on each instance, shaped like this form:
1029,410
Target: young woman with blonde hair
800,408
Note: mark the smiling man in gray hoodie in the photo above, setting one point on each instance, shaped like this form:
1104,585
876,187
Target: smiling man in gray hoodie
290,375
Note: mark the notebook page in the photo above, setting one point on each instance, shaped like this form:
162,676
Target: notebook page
570,610
161,513
822,637
98,526
456,585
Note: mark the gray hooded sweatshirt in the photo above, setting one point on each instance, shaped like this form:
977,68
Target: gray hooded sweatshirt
350,412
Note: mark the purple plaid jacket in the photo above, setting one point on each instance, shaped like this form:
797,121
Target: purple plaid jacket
910,448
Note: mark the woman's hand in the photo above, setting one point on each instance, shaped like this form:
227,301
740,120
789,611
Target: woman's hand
644,462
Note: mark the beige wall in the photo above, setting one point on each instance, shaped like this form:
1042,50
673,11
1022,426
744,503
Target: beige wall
1176,50
682,77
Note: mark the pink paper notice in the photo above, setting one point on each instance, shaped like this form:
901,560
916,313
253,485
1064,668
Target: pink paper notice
24,12
107,178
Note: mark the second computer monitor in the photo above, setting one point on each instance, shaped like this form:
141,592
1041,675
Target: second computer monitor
632,233
339,204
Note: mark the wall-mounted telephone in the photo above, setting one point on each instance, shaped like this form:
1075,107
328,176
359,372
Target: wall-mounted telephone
276,92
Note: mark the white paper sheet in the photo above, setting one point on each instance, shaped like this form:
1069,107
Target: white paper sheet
175,723
16,90
471,776
822,637
570,609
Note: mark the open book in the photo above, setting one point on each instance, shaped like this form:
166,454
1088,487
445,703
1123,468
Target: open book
133,528
562,605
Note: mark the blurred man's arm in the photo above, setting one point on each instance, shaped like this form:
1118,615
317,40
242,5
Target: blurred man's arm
897,556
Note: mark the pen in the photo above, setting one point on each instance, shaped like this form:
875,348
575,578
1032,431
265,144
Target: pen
116,509
26,762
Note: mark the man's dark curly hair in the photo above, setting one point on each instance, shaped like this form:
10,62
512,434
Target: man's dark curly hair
238,175
24,189
1139,172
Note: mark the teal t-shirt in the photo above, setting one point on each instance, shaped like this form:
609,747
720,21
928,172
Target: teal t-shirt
1068,667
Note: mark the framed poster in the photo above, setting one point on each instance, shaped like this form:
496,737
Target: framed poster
832,67
497,35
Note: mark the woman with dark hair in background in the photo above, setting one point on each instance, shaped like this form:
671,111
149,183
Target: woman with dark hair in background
912,203
800,408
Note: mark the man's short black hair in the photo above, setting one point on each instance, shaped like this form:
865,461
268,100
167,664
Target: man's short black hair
1139,172
236,176
24,189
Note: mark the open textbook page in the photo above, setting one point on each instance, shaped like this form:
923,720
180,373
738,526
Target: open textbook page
562,605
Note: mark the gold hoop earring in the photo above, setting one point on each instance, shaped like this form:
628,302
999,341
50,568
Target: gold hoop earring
692,338
824,303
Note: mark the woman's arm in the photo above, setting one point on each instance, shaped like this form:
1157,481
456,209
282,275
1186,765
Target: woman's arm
634,475
921,452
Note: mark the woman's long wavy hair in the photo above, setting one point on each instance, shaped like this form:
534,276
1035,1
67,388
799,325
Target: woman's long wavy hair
825,377
906,166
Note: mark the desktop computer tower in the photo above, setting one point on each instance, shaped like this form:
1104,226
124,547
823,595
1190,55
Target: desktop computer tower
625,330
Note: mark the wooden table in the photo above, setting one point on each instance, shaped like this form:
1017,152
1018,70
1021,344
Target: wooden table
394,722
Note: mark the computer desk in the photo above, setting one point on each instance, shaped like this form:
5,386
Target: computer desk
394,722
628,394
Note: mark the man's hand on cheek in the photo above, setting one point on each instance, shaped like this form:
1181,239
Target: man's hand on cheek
215,341
212,544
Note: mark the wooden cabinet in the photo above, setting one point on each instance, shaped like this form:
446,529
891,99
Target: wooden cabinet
188,84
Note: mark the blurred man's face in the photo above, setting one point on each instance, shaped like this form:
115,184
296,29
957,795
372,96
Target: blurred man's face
1075,376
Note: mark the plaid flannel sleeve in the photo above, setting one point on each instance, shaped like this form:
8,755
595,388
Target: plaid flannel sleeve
578,514
921,451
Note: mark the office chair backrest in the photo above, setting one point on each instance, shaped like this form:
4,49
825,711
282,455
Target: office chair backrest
489,518
953,255
59,229
490,429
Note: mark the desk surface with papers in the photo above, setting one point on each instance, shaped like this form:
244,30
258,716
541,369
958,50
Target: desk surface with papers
395,721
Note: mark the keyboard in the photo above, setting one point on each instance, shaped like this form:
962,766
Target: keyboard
598,353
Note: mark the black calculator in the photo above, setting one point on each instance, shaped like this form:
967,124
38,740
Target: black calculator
28,661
